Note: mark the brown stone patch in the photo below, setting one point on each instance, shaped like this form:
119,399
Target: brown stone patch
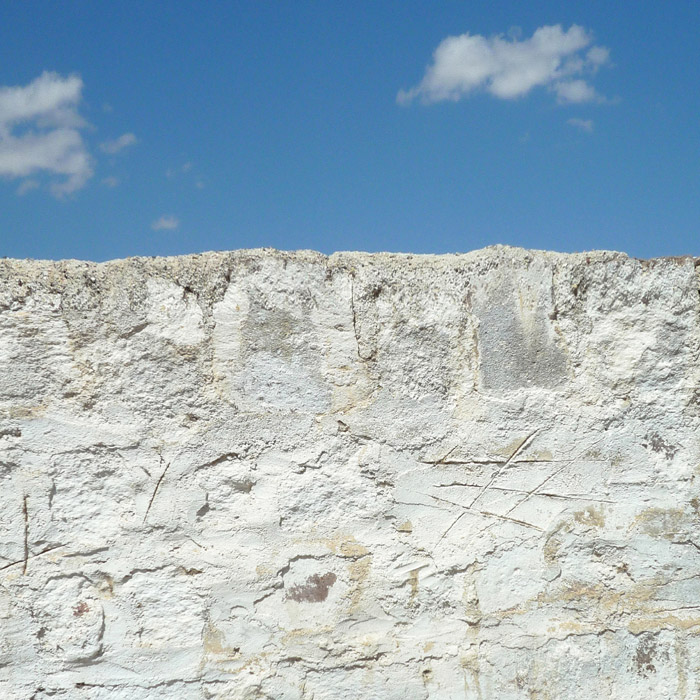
80,609
590,516
315,590
644,657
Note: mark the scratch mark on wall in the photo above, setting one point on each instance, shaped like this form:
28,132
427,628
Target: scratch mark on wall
155,490
25,512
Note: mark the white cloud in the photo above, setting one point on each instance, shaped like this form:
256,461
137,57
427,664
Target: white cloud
119,144
110,181
40,132
510,68
598,56
165,222
574,91
583,124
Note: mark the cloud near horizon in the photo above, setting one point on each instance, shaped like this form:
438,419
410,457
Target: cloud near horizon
40,133
508,68
165,223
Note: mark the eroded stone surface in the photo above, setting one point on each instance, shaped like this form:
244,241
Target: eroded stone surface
271,475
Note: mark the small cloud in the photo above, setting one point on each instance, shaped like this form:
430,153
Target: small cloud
107,108
598,56
40,132
509,68
119,144
165,222
27,186
574,92
172,172
583,124
110,181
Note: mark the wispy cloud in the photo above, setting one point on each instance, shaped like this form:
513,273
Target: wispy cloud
165,222
110,181
27,186
40,132
510,68
583,124
172,172
119,144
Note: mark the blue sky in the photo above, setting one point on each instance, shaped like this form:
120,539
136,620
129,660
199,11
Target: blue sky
144,128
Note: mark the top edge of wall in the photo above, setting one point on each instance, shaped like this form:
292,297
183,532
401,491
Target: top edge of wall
344,257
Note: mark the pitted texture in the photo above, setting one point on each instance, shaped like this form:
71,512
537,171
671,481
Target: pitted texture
280,475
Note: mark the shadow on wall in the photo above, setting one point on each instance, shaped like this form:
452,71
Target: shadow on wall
517,344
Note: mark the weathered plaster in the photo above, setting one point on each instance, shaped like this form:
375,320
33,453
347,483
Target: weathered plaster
280,475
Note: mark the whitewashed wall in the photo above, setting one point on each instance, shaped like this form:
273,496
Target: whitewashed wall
271,475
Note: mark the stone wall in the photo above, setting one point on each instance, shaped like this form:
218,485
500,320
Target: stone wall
280,475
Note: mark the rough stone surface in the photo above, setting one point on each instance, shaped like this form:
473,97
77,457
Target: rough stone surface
280,475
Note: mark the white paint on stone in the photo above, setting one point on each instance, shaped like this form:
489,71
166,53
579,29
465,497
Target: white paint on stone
280,475
173,313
